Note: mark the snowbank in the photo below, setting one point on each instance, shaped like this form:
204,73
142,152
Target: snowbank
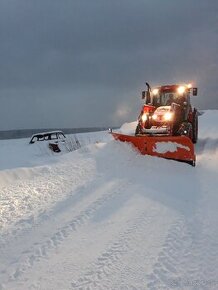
128,128
208,124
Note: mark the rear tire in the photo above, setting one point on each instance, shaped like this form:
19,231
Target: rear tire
195,127
193,163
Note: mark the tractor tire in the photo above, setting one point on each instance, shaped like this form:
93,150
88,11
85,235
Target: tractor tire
186,129
195,128
190,131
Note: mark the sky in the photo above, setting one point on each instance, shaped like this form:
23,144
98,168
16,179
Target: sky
84,63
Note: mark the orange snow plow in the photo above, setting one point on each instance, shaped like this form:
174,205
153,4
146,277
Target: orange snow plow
178,148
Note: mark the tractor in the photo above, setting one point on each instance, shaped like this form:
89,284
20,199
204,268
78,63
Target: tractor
167,111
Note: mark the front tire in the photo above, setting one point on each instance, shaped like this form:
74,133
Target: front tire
186,130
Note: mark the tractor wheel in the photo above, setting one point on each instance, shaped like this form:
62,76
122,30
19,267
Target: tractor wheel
190,132
186,130
195,128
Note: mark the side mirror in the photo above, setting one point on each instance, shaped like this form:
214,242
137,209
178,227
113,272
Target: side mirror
195,91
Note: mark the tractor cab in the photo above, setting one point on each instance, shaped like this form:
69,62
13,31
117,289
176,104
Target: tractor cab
168,94
165,96
178,97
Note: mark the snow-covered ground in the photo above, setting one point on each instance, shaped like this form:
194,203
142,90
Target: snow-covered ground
106,217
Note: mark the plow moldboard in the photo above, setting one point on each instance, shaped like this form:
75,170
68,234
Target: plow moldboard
178,148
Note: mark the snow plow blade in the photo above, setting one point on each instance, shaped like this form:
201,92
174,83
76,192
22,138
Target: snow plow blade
178,148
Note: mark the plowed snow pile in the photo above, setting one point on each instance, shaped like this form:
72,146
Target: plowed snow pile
106,217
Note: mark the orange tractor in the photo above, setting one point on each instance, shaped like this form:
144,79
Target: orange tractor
167,125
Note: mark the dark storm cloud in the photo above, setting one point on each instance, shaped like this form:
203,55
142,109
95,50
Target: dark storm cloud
83,63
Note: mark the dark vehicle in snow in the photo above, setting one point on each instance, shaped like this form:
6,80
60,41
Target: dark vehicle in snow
53,138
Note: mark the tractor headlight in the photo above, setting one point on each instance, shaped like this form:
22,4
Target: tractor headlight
144,117
168,116
189,86
181,90
155,92
154,117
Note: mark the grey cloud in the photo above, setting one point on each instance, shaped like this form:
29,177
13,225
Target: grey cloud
91,58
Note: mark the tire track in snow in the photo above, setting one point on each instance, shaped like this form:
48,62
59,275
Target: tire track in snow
166,269
41,251
108,261
188,260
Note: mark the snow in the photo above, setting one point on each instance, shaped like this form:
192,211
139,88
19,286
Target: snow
106,217
128,128
164,147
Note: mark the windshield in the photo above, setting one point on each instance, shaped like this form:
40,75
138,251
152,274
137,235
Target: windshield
167,98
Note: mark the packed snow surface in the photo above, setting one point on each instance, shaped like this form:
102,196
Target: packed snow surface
106,217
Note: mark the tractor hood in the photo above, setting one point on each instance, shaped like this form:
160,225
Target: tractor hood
162,110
